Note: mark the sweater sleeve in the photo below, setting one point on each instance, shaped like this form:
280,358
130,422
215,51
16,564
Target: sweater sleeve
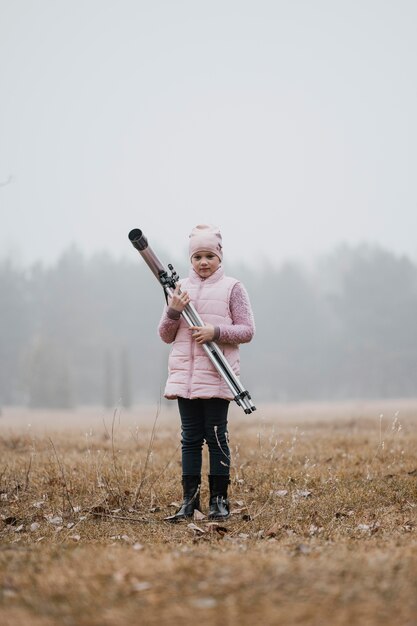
168,325
243,328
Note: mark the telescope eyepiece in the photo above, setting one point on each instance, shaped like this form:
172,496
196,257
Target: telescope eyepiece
138,239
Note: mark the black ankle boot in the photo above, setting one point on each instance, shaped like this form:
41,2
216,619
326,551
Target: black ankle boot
219,504
191,490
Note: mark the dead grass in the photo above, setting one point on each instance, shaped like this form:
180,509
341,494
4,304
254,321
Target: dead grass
323,529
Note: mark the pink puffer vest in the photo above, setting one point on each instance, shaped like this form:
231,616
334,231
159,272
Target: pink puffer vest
191,373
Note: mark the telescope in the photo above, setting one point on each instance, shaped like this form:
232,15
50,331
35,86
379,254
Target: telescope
168,280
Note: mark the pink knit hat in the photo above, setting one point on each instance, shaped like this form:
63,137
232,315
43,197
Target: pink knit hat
206,237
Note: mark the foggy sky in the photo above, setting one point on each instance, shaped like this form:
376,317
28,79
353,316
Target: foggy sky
290,124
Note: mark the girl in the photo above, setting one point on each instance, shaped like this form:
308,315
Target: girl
202,394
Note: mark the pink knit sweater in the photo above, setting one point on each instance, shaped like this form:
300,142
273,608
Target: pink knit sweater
241,331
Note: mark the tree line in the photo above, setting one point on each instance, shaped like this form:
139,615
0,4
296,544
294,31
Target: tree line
83,331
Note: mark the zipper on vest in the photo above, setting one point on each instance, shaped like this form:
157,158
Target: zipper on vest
193,344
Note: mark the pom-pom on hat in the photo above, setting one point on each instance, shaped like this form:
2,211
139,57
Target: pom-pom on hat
206,237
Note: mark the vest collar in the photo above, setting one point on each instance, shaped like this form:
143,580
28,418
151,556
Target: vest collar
214,278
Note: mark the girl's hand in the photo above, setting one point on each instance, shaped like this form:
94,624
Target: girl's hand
179,301
202,334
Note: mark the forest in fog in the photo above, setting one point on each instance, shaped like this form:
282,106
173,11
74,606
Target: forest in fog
84,330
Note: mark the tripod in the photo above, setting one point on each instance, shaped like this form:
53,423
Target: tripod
192,318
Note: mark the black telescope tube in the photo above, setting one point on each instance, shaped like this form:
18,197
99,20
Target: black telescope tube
138,239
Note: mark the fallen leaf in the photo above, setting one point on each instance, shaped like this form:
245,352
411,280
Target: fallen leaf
204,603
273,530
125,538
302,493
57,519
237,511
141,586
214,527
99,510
196,528
198,515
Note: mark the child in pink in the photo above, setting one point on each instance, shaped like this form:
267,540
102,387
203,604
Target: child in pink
203,396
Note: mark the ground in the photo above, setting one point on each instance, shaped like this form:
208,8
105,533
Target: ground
322,531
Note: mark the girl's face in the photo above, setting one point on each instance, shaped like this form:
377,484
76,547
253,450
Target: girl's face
205,263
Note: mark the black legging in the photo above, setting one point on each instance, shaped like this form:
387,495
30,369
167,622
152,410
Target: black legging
204,420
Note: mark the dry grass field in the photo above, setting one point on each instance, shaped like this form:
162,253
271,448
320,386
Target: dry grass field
322,531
